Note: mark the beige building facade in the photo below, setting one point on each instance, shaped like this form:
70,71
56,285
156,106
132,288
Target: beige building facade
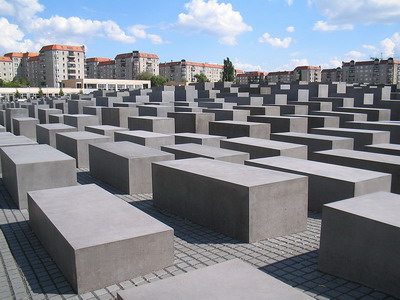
6,73
130,65
185,71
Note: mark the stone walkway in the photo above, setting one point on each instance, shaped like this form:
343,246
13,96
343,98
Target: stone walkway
28,272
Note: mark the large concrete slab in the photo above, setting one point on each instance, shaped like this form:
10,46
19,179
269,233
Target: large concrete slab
106,130
362,137
196,138
258,148
12,113
125,165
364,160
315,121
314,142
81,120
343,116
282,123
385,148
145,138
76,144
360,241
25,126
56,118
228,114
35,167
184,151
46,133
191,122
234,280
92,249
43,114
392,127
242,202
260,110
154,124
76,106
118,116
155,110
233,129
327,182
373,114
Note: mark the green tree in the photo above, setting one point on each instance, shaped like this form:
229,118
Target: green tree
201,78
81,92
40,93
1,82
61,93
229,70
17,95
158,80
144,76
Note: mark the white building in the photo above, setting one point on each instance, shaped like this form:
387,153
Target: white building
130,65
6,72
185,71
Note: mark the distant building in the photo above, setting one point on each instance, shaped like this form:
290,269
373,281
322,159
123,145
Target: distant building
60,62
307,74
91,66
280,77
183,70
374,71
6,72
33,70
130,65
16,67
331,75
106,69
105,84
251,77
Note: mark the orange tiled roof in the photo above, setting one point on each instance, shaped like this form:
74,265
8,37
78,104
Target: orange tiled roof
97,59
5,59
253,73
280,73
307,68
33,58
109,62
63,48
14,54
188,63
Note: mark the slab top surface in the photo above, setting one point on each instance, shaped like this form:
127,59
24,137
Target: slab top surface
232,279
149,118
16,140
143,134
385,146
312,136
204,150
383,207
363,155
83,135
198,135
238,123
229,172
263,143
82,215
55,126
26,119
79,116
352,130
319,168
129,150
106,127
34,154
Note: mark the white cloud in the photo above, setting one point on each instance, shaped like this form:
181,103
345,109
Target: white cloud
293,63
12,38
354,55
246,66
369,47
359,11
139,31
290,29
215,18
22,10
324,26
275,42
391,46
289,2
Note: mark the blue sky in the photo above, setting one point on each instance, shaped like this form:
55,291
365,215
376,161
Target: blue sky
264,35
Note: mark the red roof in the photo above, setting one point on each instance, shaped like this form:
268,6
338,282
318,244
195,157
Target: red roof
14,54
63,48
239,71
130,54
148,55
97,59
33,58
280,73
188,63
5,59
307,68
30,54
253,73
328,70
109,62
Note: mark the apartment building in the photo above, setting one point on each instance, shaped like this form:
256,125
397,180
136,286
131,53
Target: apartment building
374,71
279,77
16,67
6,73
251,77
91,66
33,70
106,70
331,75
307,74
185,71
60,62
130,65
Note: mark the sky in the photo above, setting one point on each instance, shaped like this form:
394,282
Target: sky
264,35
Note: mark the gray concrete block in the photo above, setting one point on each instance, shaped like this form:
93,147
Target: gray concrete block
46,133
43,114
191,122
260,110
327,182
25,126
3,117
106,130
76,145
56,118
315,121
373,114
34,108
384,148
118,116
153,124
94,111
314,105
234,280
314,142
344,117
360,241
184,151
196,138
2,128
145,138
188,109
81,120
393,127
228,114
12,113
282,123
76,106
67,221
125,165
155,110
364,160
362,137
232,129
258,148
231,198
35,167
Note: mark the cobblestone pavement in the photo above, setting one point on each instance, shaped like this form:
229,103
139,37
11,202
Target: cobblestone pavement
28,272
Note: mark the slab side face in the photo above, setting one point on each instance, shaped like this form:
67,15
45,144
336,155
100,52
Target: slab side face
360,241
233,279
